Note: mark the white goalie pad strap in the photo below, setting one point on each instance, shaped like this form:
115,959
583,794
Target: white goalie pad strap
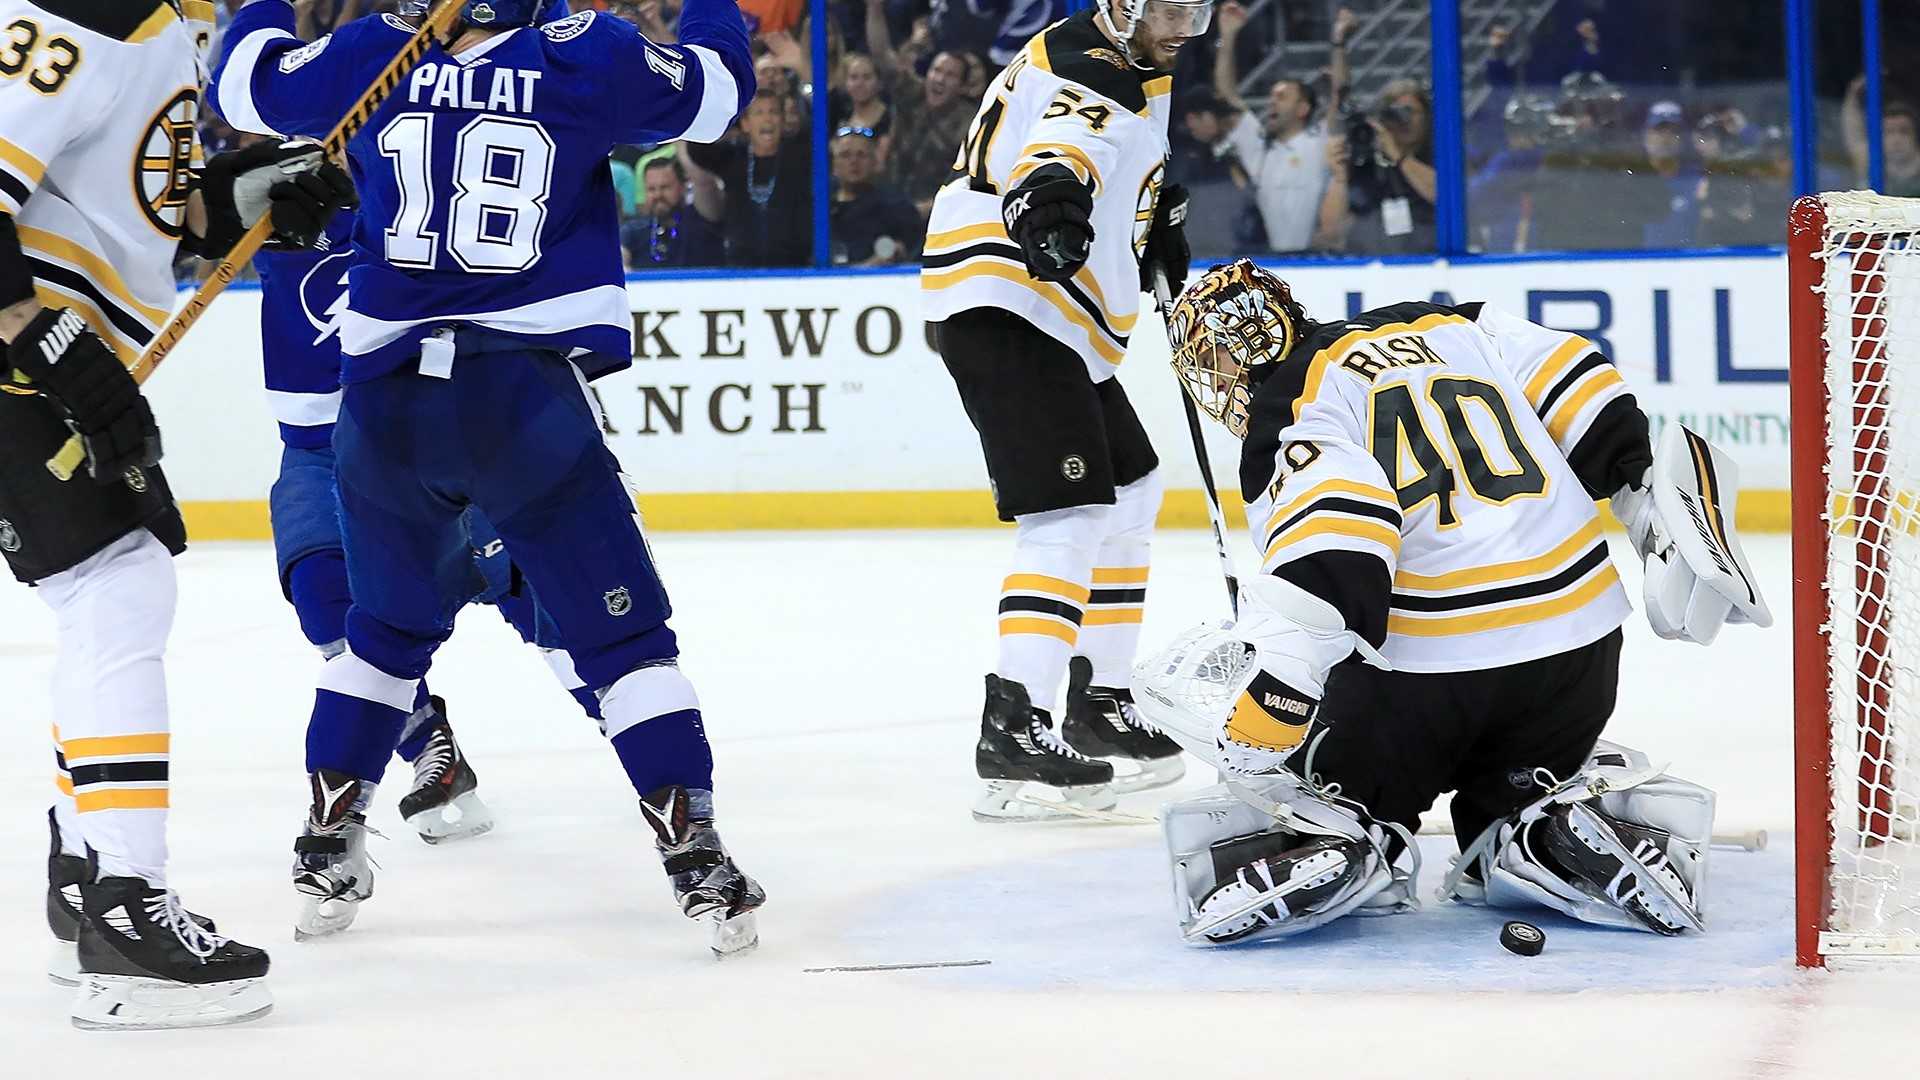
1682,523
1625,786
1281,803
1299,635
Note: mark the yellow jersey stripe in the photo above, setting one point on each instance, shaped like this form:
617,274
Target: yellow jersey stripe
121,799
97,269
1506,618
1047,586
1109,350
1120,575
1345,487
116,746
25,165
1556,362
1497,573
1331,525
1114,616
991,230
1604,378
53,296
1066,632
157,23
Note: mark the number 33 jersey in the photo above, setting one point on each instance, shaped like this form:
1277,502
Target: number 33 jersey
97,148
1431,471
486,198
1070,98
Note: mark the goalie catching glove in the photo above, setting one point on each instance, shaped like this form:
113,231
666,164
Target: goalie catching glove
1242,695
291,181
91,390
1679,517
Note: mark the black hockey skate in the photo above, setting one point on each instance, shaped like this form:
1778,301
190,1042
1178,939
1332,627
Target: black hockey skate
442,804
1623,863
64,875
1017,747
146,962
1102,722
331,871
705,879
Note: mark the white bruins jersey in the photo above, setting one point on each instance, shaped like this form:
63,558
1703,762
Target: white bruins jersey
1069,98
1431,471
98,100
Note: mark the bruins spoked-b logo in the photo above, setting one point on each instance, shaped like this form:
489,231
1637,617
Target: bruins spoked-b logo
1074,468
163,168
619,602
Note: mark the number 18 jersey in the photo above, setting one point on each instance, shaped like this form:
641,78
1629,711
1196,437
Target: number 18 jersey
486,198
1431,471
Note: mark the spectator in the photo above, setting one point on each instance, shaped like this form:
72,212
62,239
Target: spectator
669,231
857,101
764,194
931,114
1587,57
1730,202
1384,184
1899,141
1015,21
1201,153
1285,158
873,224
1673,177
1500,195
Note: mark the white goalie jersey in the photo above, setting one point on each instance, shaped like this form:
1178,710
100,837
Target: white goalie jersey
98,102
1069,98
1431,472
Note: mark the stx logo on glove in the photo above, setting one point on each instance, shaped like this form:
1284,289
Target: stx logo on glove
64,332
1016,207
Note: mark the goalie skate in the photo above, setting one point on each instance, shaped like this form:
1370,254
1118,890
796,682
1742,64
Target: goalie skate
1275,889
331,871
1031,774
1102,722
706,881
443,803
1626,862
146,962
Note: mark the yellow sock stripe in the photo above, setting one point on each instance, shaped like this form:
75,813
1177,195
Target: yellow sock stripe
117,746
63,782
1047,586
121,799
1120,575
1113,616
1028,624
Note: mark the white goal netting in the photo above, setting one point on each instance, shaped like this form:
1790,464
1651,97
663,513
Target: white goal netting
1870,286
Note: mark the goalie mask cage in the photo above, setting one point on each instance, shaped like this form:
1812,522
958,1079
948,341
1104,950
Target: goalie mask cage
1854,280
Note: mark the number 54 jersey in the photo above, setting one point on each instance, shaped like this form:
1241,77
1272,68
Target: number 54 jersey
1431,471
485,195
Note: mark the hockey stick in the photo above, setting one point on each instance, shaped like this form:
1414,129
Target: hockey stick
439,21
1164,295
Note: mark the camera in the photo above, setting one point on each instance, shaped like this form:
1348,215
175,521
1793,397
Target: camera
1362,141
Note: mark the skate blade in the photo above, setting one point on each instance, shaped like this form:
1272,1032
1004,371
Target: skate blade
1009,800
466,816
133,1003
1154,773
63,964
734,936
324,918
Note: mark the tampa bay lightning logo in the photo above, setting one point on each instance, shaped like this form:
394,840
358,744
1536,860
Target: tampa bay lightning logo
323,294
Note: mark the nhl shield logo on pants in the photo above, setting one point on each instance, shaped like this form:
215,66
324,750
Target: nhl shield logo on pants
619,602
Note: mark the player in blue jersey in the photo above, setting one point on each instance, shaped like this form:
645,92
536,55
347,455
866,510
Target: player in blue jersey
485,285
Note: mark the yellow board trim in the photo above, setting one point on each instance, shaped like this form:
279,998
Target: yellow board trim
1046,586
121,799
1506,571
115,746
1506,618
1066,632
1120,575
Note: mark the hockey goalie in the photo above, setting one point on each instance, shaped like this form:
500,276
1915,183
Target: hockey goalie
1437,611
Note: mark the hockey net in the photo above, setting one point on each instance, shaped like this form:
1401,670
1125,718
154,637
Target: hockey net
1854,275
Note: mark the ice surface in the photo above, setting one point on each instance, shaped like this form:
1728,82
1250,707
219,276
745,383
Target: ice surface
840,675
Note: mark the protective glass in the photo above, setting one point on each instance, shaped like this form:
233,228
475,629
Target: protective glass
1168,19
1233,319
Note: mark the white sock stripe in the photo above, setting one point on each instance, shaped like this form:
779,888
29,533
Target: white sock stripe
349,675
640,696
561,664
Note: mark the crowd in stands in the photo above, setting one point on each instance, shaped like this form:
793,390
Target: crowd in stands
1571,144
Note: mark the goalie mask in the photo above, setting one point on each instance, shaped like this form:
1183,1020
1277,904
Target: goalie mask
1229,325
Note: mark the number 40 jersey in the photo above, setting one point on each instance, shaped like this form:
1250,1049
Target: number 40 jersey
486,198
1431,471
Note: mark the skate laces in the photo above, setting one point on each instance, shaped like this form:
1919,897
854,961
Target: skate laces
165,909
435,759
1044,738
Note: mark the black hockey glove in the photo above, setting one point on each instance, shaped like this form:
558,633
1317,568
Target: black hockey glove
292,181
91,389
1167,241
1048,215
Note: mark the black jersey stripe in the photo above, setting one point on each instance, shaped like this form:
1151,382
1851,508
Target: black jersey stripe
15,188
1005,249
1117,596
1595,557
1336,504
120,772
1573,375
1040,605
129,324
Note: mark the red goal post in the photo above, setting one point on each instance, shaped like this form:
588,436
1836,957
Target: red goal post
1854,305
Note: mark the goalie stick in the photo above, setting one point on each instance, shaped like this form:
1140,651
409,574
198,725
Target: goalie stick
439,21
1164,296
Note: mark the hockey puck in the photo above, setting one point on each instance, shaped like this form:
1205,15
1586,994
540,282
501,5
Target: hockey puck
1523,938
